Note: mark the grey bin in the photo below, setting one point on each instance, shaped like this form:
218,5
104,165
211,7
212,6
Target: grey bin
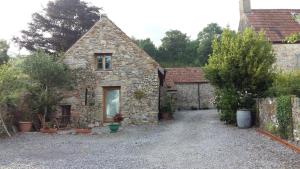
243,118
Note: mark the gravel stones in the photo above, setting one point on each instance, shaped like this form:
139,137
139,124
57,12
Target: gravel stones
196,139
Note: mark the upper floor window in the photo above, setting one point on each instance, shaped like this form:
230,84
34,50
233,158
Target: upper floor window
103,61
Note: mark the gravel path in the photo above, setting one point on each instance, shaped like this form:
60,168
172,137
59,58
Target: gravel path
196,139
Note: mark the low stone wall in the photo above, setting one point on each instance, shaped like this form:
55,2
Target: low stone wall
296,117
267,114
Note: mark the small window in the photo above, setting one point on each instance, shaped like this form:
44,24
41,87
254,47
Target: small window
107,62
103,61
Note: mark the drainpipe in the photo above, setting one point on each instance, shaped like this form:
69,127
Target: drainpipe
199,96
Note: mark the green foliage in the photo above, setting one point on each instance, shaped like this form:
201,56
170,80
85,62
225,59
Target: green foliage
177,50
227,104
284,116
47,78
10,83
139,94
205,39
59,25
168,104
3,52
271,127
286,83
147,45
293,38
241,67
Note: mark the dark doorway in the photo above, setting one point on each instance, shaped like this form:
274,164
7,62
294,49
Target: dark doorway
65,115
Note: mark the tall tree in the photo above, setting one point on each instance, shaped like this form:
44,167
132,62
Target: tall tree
58,26
147,45
3,52
172,51
48,78
205,38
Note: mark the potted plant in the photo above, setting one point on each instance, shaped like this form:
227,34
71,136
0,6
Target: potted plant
166,111
49,127
82,126
114,127
243,114
25,123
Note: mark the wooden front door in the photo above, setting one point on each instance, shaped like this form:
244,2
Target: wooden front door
111,103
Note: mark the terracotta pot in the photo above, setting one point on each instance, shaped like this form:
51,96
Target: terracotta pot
25,126
83,131
48,130
166,116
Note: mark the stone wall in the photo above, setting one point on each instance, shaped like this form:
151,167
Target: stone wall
188,96
287,56
132,70
296,117
267,114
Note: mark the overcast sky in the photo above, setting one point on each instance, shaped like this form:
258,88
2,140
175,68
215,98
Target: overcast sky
144,18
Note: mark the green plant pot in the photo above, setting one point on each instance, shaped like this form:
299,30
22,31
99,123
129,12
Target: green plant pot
114,127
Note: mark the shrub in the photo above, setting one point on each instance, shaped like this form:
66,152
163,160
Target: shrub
240,68
284,116
168,104
227,103
286,83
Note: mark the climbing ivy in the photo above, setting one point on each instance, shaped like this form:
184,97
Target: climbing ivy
293,38
284,116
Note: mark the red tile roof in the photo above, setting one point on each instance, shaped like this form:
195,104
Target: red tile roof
184,75
277,23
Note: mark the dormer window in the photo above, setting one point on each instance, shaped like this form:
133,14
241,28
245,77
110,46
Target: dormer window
103,61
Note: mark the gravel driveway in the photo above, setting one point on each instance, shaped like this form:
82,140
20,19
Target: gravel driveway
196,139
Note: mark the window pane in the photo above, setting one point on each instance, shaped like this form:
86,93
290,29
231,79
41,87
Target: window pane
99,63
107,62
112,103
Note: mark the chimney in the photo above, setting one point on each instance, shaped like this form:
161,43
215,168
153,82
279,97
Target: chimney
245,6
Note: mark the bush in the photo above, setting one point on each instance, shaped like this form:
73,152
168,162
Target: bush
227,104
284,117
168,104
286,83
240,68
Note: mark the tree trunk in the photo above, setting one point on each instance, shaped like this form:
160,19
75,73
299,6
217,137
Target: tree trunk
4,126
45,108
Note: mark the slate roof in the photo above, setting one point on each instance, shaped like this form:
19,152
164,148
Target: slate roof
184,75
277,23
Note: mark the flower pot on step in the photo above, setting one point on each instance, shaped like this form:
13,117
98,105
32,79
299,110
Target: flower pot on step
166,116
114,127
25,126
83,130
48,130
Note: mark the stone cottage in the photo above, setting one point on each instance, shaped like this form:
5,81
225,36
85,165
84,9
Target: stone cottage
190,88
277,24
113,75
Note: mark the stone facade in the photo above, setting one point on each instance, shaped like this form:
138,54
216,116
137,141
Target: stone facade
267,114
296,118
132,70
194,96
287,56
